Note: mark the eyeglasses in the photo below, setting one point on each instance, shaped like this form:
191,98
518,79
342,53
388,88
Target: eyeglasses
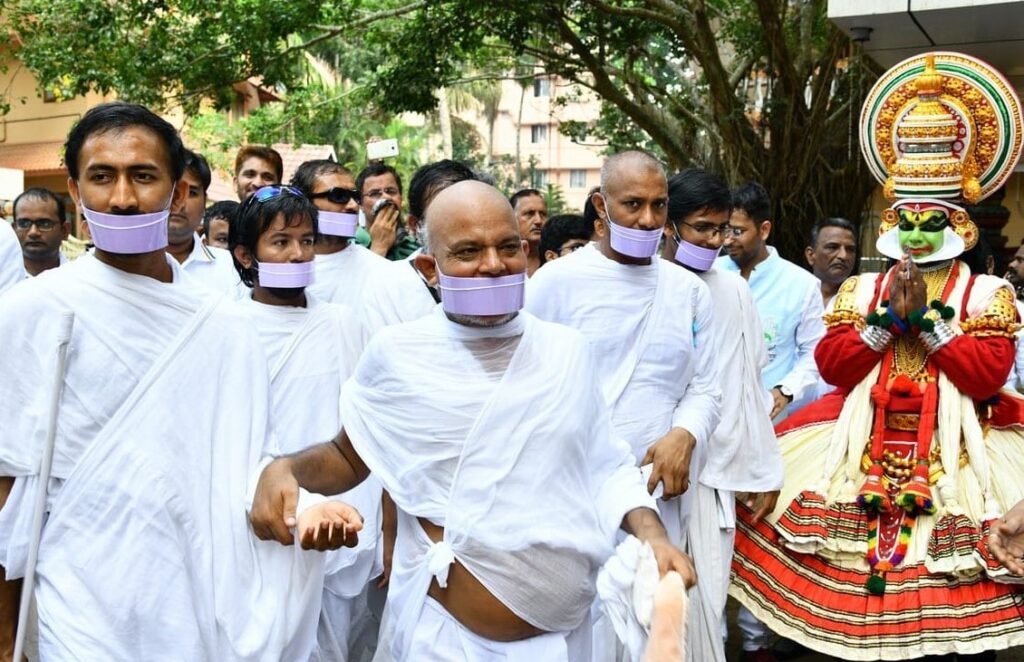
43,224
391,191
338,195
571,248
267,193
709,230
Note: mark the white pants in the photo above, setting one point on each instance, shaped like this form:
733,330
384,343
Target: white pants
755,633
439,637
348,629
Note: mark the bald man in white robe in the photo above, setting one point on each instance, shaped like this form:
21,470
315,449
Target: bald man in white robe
496,446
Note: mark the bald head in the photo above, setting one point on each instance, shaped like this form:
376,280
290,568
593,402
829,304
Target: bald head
460,207
632,163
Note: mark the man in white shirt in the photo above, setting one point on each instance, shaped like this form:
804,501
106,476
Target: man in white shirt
212,267
41,224
788,300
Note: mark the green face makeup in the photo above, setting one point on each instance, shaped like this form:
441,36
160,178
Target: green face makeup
922,232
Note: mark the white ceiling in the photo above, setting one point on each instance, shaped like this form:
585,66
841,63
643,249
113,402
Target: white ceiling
988,29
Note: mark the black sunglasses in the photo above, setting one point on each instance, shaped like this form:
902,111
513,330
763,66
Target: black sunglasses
338,195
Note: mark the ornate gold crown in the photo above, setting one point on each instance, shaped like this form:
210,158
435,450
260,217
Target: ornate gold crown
941,126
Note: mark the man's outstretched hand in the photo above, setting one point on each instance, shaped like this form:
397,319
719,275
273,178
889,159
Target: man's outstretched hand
1006,540
329,525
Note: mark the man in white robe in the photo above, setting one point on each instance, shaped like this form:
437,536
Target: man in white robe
12,268
343,267
490,434
312,347
743,457
400,293
650,327
145,554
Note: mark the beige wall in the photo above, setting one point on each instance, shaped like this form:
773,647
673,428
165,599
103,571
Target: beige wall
556,154
36,120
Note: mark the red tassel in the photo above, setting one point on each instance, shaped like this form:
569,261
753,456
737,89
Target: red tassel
872,495
916,495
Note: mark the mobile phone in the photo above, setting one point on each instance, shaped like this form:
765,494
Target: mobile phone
382,149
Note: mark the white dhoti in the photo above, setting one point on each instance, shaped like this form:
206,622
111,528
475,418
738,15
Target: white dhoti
498,435
652,330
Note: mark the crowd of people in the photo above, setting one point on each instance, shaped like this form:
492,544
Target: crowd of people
342,419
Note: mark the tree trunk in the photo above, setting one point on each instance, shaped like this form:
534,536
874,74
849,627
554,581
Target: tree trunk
445,120
519,136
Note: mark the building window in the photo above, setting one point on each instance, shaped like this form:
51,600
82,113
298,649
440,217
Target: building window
540,179
542,87
577,179
539,133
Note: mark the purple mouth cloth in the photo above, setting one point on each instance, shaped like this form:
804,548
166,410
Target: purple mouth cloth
128,234
285,274
337,224
633,242
696,257
482,296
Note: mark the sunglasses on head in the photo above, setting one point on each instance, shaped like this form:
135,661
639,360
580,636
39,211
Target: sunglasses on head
267,193
338,195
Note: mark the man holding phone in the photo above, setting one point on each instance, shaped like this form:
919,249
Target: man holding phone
385,233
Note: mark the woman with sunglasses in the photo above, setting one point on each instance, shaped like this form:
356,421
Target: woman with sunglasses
311,347
342,266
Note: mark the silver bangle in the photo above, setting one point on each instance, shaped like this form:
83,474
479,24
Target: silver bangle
876,338
937,338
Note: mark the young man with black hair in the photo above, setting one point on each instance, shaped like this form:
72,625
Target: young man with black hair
145,552
787,297
217,223
832,254
211,266
563,235
745,462
386,234
342,266
41,225
531,214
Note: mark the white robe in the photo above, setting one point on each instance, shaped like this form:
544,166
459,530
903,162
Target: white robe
396,294
500,436
311,351
213,268
147,552
12,264
743,455
652,330
342,277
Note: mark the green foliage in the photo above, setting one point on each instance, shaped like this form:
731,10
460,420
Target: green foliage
671,75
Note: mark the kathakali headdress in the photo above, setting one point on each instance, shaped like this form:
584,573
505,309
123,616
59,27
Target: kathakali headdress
939,131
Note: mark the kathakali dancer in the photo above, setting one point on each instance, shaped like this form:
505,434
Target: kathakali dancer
893,479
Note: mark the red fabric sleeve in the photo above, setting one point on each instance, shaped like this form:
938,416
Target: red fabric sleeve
978,366
843,358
